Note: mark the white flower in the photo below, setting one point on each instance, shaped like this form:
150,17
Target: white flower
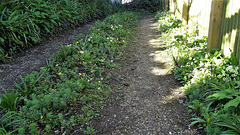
201,63
219,76
223,73
207,64
206,55
229,68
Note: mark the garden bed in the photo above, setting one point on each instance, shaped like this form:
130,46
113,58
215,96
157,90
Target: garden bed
68,91
211,81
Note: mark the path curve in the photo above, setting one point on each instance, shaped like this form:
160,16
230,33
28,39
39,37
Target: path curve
146,99
35,58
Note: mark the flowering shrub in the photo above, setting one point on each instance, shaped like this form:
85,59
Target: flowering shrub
211,81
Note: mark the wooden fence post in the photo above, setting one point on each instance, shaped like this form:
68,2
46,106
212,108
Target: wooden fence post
185,13
215,24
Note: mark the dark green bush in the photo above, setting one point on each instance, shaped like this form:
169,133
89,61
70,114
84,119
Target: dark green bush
146,5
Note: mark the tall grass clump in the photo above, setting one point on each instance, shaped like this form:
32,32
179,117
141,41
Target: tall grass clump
23,23
211,81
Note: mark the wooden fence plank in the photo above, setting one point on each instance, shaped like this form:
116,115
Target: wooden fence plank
172,7
230,29
215,24
185,13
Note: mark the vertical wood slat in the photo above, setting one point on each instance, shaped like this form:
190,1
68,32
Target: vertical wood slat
215,24
238,37
223,24
230,29
185,13
173,6
224,43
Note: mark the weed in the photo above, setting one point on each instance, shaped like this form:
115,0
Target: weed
90,131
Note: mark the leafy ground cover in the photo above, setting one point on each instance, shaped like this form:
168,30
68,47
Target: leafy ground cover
68,91
24,23
211,81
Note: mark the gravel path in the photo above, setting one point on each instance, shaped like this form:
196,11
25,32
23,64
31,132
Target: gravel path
35,58
146,99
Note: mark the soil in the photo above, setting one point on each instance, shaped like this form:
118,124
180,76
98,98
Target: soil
35,58
146,99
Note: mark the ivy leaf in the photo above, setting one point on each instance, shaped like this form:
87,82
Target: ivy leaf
235,102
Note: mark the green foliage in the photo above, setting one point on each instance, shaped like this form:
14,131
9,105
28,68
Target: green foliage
10,120
8,102
166,22
212,82
68,91
90,131
232,125
147,5
26,87
23,23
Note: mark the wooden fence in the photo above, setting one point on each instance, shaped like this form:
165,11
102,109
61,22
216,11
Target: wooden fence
217,19
193,13
230,28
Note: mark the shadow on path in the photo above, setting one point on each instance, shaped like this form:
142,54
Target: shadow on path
146,99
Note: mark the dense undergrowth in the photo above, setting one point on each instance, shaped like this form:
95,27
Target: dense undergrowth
146,5
68,91
24,23
211,81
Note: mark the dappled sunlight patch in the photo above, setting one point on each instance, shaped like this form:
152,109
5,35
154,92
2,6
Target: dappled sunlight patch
154,26
162,61
154,42
175,94
160,70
